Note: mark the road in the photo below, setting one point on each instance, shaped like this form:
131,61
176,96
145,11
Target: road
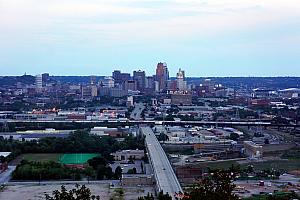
166,179
137,111
6,176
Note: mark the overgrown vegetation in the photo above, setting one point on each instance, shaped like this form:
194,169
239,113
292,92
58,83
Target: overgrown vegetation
161,196
218,185
44,171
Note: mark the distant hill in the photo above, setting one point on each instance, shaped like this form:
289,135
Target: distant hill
252,82
12,80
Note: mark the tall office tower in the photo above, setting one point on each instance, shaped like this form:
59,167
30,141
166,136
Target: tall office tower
140,78
39,81
180,79
150,82
162,75
117,76
45,77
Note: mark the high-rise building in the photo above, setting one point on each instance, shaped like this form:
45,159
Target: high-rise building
162,75
140,78
39,81
119,77
180,79
45,77
108,82
150,82
130,85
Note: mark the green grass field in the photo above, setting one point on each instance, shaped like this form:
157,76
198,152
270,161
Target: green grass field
76,158
41,157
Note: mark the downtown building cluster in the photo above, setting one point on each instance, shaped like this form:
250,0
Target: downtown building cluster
123,84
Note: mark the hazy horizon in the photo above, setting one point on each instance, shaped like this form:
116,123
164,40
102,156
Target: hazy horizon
57,75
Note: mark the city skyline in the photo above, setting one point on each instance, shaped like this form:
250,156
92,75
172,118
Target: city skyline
206,39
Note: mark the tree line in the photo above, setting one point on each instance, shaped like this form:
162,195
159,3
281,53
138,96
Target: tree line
78,142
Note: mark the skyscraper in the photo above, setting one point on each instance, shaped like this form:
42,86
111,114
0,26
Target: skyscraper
150,82
45,77
108,82
39,81
117,76
180,79
140,78
120,77
162,76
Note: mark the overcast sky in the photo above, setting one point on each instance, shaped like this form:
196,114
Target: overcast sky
203,37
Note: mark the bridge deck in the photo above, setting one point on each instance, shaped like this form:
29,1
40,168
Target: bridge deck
165,177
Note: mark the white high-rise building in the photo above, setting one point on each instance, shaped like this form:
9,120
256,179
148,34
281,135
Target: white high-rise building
180,79
108,82
39,81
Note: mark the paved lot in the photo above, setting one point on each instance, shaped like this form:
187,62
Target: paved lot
249,188
37,192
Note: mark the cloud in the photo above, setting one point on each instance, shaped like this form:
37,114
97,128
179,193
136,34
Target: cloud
195,26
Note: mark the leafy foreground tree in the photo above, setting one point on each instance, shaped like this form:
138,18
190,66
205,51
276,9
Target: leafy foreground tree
78,193
148,197
218,186
160,196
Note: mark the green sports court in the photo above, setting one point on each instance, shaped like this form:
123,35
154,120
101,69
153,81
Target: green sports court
76,158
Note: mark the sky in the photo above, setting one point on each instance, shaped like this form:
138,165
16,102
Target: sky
203,37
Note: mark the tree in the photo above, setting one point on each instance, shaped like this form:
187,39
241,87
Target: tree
234,136
148,197
104,172
162,196
131,171
78,193
217,186
118,172
89,172
267,141
95,162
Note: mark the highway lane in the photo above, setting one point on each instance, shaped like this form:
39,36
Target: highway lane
137,111
166,179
